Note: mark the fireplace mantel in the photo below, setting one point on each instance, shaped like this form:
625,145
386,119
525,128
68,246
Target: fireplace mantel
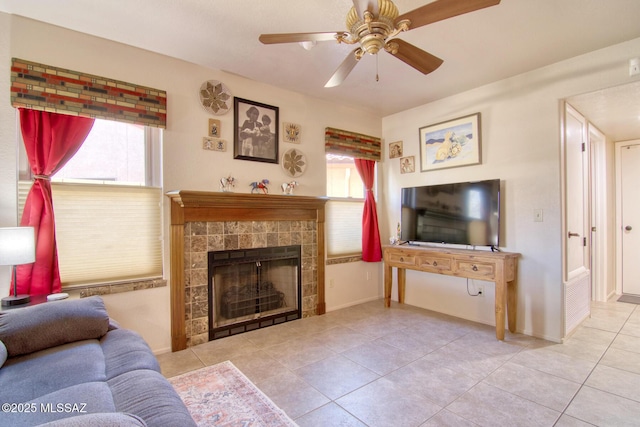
200,206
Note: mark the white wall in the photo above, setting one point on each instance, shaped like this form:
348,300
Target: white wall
186,165
521,146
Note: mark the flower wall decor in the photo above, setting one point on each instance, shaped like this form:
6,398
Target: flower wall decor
294,162
215,97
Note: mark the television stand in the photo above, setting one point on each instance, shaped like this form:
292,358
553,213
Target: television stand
498,267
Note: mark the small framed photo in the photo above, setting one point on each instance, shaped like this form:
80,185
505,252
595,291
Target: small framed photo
395,149
291,132
214,144
255,131
450,144
407,164
214,128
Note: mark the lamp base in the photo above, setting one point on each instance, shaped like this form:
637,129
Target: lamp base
15,300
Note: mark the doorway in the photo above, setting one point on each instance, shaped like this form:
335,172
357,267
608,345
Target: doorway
628,224
615,111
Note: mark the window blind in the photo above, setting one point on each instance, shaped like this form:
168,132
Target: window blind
344,234
106,233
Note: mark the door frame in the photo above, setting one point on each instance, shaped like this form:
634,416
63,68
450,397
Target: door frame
599,235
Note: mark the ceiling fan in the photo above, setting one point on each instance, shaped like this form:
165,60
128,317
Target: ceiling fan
373,24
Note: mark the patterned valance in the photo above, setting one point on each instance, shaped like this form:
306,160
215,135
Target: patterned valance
352,144
47,88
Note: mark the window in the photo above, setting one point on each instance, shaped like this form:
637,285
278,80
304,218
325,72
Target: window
345,206
107,205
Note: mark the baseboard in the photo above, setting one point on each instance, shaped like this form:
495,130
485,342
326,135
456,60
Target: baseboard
351,304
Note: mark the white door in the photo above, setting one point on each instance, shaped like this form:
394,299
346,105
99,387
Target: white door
630,217
577,225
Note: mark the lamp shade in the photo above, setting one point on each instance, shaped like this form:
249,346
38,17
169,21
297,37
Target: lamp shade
17,245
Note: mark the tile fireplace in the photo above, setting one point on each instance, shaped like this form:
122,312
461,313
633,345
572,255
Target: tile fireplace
205,222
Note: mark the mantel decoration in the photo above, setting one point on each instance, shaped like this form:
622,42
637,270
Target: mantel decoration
215,97
288,187
451,143
294,162
255,131
260,186
227,184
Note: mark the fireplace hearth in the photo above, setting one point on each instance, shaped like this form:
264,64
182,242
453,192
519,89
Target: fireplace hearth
253,288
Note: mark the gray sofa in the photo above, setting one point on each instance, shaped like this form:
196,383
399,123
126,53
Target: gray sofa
64,363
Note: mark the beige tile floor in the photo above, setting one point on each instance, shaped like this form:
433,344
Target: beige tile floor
404,366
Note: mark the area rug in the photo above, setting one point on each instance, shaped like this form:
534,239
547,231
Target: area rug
221,395
633,299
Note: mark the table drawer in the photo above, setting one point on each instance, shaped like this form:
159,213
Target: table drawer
433,263
401,259
476,270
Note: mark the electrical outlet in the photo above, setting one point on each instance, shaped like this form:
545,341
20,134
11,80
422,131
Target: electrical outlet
368,276
537,215
634,66
331,283
480,290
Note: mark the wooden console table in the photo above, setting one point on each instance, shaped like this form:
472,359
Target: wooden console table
498,267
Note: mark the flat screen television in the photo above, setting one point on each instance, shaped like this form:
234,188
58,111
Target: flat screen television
464,213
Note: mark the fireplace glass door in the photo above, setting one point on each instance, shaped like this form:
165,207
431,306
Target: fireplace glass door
253,288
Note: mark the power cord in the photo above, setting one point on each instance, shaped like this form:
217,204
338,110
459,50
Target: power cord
477,294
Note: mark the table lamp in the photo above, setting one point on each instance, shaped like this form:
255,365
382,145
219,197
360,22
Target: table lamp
17,246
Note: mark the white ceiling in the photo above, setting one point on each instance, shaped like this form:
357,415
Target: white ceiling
477,48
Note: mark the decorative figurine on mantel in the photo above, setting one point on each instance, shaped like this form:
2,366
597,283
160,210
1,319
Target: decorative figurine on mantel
227,184
260,186
288,187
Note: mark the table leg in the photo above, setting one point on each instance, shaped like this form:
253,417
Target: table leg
388,279
499,307
402,279
512,304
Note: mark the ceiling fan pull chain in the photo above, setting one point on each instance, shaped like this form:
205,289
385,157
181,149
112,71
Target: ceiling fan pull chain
377,78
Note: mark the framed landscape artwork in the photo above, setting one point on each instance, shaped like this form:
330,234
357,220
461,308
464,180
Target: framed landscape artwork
256,131
450,144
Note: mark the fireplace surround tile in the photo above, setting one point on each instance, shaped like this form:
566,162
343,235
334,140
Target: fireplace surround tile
201,237
210,221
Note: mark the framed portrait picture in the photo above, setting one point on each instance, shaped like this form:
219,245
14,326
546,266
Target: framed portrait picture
407,164
395,149
450,144
256,131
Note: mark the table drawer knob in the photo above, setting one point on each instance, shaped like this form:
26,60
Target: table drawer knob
435,263
474,268
401,259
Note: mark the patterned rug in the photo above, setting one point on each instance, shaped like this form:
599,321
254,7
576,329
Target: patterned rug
221,395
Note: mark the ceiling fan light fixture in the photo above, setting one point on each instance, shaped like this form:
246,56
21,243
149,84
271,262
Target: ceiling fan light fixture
374,24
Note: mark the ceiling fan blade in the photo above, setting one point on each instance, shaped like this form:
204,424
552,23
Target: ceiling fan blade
298,37
343,70
416,57
362,5
443,9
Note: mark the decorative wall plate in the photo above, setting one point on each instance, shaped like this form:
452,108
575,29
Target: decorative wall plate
215,97
294,162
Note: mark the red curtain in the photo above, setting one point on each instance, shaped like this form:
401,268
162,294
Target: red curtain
371,248
50,141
